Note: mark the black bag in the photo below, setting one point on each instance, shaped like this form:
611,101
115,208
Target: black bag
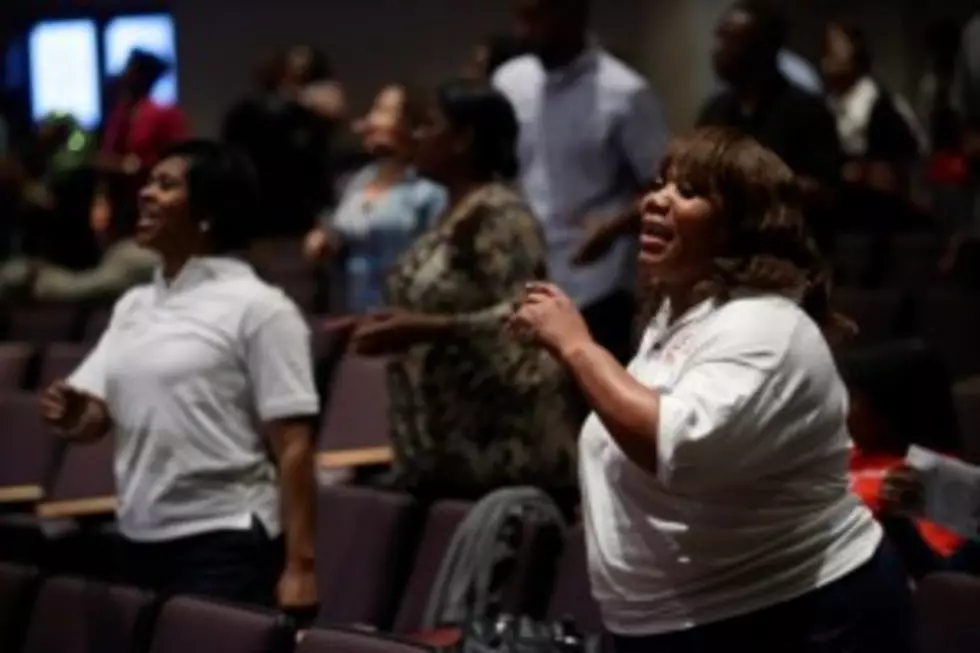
509,634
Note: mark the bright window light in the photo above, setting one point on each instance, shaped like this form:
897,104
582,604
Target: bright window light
64,70
153,33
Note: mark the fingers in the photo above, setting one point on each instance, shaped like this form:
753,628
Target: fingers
54,401
339,324
543,288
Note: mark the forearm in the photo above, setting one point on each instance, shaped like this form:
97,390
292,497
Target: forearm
298,496
629,410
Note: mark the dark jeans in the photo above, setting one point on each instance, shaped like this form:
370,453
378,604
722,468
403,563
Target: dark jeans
238,566
610,320
867,611
920,559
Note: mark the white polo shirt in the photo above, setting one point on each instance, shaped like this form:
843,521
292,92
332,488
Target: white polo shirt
189,371
592,135
750,505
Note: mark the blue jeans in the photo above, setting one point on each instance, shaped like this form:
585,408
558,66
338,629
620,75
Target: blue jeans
868,611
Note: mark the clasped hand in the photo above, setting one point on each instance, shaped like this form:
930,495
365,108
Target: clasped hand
548,316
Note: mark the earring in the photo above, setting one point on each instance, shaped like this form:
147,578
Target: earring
204,227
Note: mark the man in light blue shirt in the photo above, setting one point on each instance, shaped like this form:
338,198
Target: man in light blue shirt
592,135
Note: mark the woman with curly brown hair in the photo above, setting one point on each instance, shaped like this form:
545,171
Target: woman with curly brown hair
714,469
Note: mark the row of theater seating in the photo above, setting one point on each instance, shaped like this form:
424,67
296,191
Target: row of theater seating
353,430
378,556
63,614
67,613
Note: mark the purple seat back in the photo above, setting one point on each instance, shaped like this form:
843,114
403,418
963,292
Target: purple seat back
572,594
191,625
350,641
14,360
362,547
440,524
84,471
26,443
948,605
44,324
72,615
95,325
356,414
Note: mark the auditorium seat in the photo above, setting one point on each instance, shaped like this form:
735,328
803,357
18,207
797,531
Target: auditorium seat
364,541
15,357
59,360
26,444
352,641
356,414
82,471
948,605
71,614
440,524
44,323
95,325
572,595
17,588
524,587
192,625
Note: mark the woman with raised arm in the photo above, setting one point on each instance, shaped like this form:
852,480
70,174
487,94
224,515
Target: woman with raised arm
714,469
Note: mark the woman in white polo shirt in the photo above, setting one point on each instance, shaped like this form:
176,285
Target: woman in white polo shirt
204,379
714,469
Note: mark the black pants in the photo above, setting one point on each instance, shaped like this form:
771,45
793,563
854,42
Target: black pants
920,559
610,320
867,611
238,566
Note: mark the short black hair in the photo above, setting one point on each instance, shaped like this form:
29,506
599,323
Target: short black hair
222,192
861,51
483,111
148,67
768,23
908,384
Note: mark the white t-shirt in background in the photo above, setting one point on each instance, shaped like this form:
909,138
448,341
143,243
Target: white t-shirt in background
189,372
750,505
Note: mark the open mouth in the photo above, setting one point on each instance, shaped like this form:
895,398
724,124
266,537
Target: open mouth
656,232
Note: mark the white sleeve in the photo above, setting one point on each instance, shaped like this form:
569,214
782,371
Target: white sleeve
710,420
90,375
279,360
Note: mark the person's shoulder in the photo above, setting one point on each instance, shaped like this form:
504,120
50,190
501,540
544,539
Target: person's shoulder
620,76
261,301
516,73
133,298
427,191
766,326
